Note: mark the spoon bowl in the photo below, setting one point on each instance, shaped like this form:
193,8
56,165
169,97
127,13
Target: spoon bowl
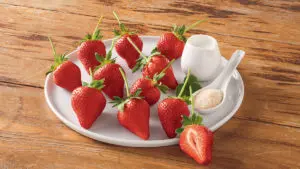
222,81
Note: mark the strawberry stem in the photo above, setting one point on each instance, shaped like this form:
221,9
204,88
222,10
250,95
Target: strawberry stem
192,99
185,82
167,67
117,17
53,48
99,22
126,82
193,25
136,48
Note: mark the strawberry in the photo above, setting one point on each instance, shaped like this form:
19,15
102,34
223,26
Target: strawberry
123,47
195,140
109,70
134,112
170,112
154,64
90,45
171,44
150,87
65,73
88,102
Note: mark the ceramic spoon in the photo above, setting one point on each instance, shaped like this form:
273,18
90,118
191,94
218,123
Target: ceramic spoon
222,80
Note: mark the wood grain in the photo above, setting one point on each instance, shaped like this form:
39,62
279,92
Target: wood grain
265,133
34,131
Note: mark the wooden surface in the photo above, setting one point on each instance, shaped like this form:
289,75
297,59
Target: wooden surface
265,132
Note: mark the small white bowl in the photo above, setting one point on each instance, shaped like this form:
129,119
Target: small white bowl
202,55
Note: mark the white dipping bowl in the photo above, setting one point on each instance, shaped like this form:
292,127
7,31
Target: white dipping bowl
202,55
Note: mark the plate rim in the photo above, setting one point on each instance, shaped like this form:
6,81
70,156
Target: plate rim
134,143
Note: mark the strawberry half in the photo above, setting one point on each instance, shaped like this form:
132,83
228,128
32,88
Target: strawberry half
171,44
154,64
88,102
90,45
195,140
109,70
123,47
65,73
171,110
134,112
151,87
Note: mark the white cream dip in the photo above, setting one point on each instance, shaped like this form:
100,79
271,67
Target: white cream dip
208,98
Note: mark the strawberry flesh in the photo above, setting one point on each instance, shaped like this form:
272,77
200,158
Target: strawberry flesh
196,141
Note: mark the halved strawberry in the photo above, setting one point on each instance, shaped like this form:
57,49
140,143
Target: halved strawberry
195,139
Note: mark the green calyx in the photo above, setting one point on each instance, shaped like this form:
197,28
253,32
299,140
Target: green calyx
58,58
97,84
123,29
96,34
120,102
104,60
179,31
194,118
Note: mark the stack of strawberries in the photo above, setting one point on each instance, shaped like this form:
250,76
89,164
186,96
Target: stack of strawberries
108,77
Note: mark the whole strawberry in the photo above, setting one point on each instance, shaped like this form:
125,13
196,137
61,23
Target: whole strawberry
171,44
154,64
195,140
90,45
171,110
123,47
151,87
65,73
134,112
88,102
109,70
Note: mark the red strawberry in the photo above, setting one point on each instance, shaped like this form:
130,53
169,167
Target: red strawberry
109,70
150,87
195,140
65,73
171,110
171,44
154,64
90,45
123,47
134,112
88,102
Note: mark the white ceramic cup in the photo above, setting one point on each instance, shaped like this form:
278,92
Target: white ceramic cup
202,55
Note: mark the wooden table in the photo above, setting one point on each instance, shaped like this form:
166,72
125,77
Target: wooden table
265,132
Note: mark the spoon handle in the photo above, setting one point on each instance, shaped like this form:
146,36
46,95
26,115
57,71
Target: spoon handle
223,79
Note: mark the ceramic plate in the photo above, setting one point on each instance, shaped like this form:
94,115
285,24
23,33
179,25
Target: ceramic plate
107,128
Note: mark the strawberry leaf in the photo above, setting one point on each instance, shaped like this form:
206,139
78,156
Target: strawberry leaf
162,88
155,50
179,130
193,82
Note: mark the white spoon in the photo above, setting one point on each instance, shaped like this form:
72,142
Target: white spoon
222,81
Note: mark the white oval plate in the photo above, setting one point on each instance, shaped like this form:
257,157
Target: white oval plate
107,128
